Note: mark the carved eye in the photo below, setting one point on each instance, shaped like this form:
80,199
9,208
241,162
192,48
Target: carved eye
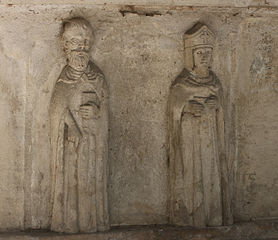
209,50
75,41
87,42
199,52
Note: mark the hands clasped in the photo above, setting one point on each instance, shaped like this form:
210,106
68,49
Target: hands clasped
88,112
212,102
197,109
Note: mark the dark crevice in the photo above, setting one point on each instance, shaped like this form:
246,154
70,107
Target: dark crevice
129,9
148,14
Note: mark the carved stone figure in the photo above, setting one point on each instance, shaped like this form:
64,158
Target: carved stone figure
79,132
199,193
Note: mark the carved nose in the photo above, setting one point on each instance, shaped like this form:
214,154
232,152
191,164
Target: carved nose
207,54
82,46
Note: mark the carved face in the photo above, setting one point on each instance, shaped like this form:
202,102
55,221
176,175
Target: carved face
202,57
77,45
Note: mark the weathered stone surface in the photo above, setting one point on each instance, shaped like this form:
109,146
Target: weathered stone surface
202,3
257,91
13,72
250,231
199,175
79,137
140,51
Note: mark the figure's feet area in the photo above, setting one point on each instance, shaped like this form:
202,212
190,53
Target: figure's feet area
260,230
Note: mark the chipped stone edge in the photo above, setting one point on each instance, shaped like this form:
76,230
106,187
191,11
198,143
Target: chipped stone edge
178,3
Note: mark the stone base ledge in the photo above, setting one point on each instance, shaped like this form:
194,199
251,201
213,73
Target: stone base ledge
252,231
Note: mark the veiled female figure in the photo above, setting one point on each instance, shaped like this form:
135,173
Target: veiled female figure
199,193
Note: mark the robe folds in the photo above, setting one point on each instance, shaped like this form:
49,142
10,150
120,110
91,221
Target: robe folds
199,191
79,153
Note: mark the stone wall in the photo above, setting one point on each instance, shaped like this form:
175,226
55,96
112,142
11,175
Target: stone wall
139,47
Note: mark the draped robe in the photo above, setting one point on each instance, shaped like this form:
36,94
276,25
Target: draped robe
79,153
199,193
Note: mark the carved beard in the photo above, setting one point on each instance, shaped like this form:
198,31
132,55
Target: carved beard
78,60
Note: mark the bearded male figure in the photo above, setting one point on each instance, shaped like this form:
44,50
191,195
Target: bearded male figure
198,168
79,132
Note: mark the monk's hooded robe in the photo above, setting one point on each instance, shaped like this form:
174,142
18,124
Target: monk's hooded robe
199,193
80,148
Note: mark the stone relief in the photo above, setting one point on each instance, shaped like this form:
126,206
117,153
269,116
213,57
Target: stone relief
199,193
79,137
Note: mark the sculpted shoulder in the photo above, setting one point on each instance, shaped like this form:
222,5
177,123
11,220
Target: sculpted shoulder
63,90
182,80
95,68
100,76
59,92
216,79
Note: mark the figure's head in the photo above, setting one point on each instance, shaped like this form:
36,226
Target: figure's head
198,43
77,39
202,57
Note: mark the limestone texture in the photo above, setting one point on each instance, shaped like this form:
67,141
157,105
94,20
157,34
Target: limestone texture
199,175
243,231
138,46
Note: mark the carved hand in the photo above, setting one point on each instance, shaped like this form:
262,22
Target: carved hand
212,102
196,108
92,75
88,111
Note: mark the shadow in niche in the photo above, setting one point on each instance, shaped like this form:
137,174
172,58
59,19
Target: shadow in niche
130,9
245,230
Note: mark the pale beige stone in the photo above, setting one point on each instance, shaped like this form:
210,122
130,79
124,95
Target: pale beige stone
198,165
12,126
257,131
139,48
161,3
79,137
